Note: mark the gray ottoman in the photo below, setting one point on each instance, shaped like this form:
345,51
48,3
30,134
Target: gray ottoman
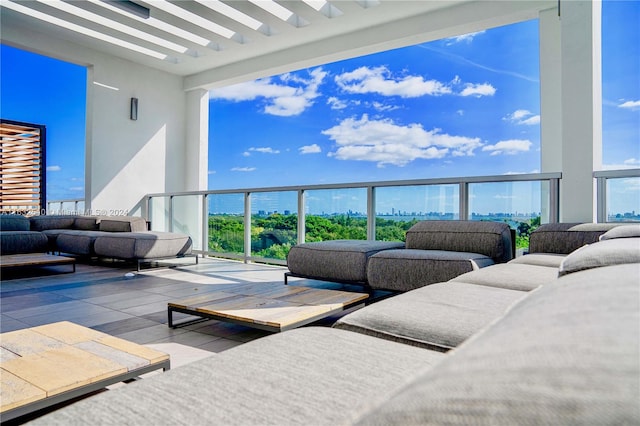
337,260
143,245
404,270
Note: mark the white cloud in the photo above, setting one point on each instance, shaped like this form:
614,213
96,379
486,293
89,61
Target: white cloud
243,169
484,89
76,188
509,147
467,38
630,163
378,106
385,142
211,172
460,112
264,150
630,104
310,149
54,168
289,99
335,103
380,80
523,117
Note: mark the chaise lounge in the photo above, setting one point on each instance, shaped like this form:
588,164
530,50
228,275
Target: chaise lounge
566,352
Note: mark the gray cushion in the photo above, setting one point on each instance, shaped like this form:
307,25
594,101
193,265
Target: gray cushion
623,231
407,269
43,223
520,277
142,245
308,376
13,222
14,242
605,253
563,238
123,224
337,260
492,239
440,316
86,223
567,354
77,242
551,260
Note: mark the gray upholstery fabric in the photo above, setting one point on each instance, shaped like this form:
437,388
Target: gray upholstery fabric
77,241
407,269
86,223
520,277
123,224
142,245
605,253
337,260
439,316
13,222
46,222
307,376
16,242
567,354
492,239
552,260
563,238
622,231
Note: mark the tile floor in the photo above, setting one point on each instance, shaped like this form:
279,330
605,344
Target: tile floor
106,297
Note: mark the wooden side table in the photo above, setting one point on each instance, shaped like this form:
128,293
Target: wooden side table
45,365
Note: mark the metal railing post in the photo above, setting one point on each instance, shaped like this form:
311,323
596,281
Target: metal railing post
463,201
371,213
302,224
205,223
601,199
247,226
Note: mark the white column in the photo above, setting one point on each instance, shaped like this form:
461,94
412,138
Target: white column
581,108
197,140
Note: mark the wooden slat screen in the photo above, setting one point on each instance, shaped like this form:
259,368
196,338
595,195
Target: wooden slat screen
22,167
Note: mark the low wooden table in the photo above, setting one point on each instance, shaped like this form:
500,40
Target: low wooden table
45,365
35,259
267,307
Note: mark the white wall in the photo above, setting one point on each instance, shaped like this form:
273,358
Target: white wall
125,159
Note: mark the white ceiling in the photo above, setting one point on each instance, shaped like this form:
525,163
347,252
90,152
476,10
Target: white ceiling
340,29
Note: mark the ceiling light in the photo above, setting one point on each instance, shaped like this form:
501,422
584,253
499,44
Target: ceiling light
82,30
161,25
90,16
197,20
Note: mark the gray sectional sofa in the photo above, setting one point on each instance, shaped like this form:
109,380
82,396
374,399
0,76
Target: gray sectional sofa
434,251
566,352
116,237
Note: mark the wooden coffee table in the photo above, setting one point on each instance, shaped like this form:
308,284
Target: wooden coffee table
35,259
271,308
45,365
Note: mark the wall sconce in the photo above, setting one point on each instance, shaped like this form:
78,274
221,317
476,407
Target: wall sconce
133,113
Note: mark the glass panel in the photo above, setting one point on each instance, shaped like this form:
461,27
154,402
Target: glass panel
274,223
336,214
159,213
226,223
187,217
398,208
519,204
623,200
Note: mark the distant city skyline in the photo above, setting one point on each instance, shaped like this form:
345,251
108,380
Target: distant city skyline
462,106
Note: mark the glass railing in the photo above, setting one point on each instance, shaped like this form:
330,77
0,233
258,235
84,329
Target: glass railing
618,195
262,224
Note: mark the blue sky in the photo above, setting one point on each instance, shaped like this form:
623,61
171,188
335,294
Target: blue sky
462,106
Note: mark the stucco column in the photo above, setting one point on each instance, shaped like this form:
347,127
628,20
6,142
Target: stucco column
571,103
197,140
